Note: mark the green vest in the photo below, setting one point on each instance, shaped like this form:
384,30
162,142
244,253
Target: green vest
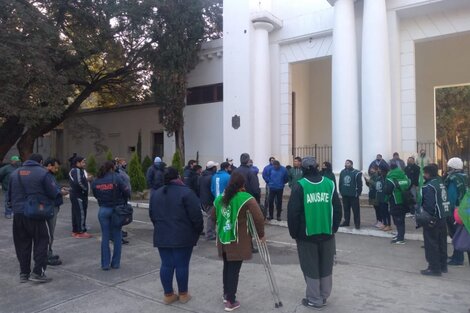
348,183
442,204
318,198
461,181
227,217
397,176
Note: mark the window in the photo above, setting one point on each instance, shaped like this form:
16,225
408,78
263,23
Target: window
157,148
205,94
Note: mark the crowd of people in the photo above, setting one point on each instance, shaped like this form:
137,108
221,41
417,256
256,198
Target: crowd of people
214,203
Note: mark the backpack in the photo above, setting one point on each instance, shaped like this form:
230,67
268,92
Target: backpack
406,195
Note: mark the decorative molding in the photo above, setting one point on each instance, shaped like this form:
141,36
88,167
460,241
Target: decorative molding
266,17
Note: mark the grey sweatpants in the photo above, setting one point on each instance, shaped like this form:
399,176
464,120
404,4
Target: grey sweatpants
316,262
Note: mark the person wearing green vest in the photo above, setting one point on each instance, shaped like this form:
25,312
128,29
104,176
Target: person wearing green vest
350,188
233,237
435,203
313,217
456,183
5,173
395,183
371,183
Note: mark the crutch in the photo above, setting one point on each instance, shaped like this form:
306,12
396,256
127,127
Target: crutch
266,260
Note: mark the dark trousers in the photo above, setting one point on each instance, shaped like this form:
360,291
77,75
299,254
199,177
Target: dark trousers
29,234
348,203
435,246
275,195
399,221
378,213
231,273
385,214
79,210
51,224
175,260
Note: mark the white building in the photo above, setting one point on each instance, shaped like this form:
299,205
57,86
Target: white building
358,76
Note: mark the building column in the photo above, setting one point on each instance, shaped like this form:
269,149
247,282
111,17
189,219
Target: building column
345,104
376,84
261,92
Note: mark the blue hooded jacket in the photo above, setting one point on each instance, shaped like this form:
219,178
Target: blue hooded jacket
219,182
277,178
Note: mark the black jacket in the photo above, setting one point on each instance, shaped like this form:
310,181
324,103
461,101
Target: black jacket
155,175
296,212
412,172
190,179
205,193
176,215
110,190
78,181
251,181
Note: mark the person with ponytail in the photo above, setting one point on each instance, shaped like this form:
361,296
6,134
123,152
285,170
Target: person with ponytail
176,215
233,237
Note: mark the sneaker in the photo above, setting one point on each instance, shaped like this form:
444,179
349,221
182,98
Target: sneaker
454,263
379,225
124,233
84,235
53,262
229,307
124,241
409,215
40,279
387,228
397,242
54,256
24,278
224,298
312,305
428,272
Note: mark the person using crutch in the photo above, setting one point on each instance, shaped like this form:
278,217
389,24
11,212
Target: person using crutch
233,238
313,217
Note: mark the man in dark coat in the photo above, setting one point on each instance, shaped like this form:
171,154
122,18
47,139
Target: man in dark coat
251,180
155,174
5,173
31,179
350,187
313,217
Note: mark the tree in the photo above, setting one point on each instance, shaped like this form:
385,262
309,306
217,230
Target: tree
146,164
136,175
453,121
139,146
91,166
59,55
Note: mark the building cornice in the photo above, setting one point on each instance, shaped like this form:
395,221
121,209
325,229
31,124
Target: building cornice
266,17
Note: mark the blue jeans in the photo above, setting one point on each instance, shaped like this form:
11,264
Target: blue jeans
8,210
175,259
108,227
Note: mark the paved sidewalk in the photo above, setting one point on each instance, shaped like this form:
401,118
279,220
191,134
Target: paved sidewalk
371,276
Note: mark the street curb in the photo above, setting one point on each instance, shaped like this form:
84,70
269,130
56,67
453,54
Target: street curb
343,230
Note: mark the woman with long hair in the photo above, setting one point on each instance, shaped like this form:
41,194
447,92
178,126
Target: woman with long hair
176,215
110,190
233,237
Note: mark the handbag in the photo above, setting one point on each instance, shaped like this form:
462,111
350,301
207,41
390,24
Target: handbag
37,206
123,213
461,239
423,218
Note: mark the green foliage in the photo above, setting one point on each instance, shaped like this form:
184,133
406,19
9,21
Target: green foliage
139,146
91,165
146,164
136,175
453,120
109,155
58,55
61,174
177,161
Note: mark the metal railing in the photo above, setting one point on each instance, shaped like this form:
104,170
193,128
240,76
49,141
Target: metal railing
321,152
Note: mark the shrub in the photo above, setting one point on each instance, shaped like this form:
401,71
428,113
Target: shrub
109,155
136,175
177,161
146,164
91,166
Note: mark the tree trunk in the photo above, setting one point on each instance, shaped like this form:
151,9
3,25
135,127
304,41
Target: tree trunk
10,131
180,142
